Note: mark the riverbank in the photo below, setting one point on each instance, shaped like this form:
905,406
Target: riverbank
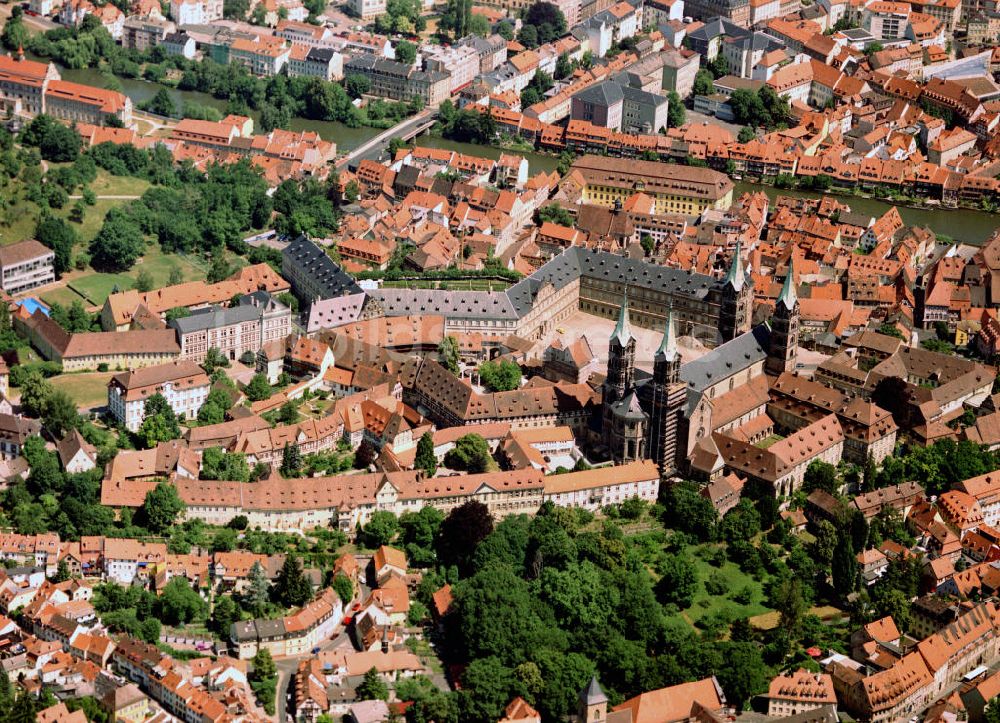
964,225
140,90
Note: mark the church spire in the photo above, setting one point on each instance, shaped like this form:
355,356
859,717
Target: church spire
668,345
623,329
736,276
788,297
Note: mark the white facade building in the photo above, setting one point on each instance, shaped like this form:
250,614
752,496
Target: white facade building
183,384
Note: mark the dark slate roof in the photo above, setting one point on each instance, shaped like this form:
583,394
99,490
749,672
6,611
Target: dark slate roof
592,694
715,28
636,272
606,94
560,270
214,317
727,359
462,304
320,55
638,95
307,256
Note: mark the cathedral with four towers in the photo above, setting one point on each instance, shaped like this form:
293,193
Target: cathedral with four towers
647,416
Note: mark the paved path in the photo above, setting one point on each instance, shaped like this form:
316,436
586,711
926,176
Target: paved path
110,198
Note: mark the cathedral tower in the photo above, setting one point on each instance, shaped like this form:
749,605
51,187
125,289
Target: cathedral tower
621,357
737,299
783,350
668,400
623,422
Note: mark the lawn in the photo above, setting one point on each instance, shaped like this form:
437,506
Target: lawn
765,443
95,287
18,223
88,389
63,296
734,581
107,185
453,284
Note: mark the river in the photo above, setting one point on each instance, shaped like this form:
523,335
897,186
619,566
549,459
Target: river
964,225
141,90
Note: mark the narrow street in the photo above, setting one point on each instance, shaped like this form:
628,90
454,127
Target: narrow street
286,669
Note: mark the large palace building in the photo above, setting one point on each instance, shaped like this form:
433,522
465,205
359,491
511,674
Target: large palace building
594,282
675,189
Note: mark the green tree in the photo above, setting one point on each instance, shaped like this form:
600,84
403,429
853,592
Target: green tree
291,460
425,458
417,532
59,236
500,376
161,104
291,587
161,507
219,270
160,423
719,66
35,393
675,110
61,414
678,580
554,213
214,359
820,476
357,85
461,532
704,83
844,567
448,353
14,37
372,687
344,588
744,674
62,572
224,614
144,281
686,510
381,529
264,679
487,685
406,52
118,243
289,413
180,603
790,603
470,454
548,21
259,388
257,595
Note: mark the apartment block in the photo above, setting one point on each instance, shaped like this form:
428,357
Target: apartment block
398,81
25,265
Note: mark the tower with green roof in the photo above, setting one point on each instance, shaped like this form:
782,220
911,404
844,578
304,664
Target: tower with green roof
784,325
